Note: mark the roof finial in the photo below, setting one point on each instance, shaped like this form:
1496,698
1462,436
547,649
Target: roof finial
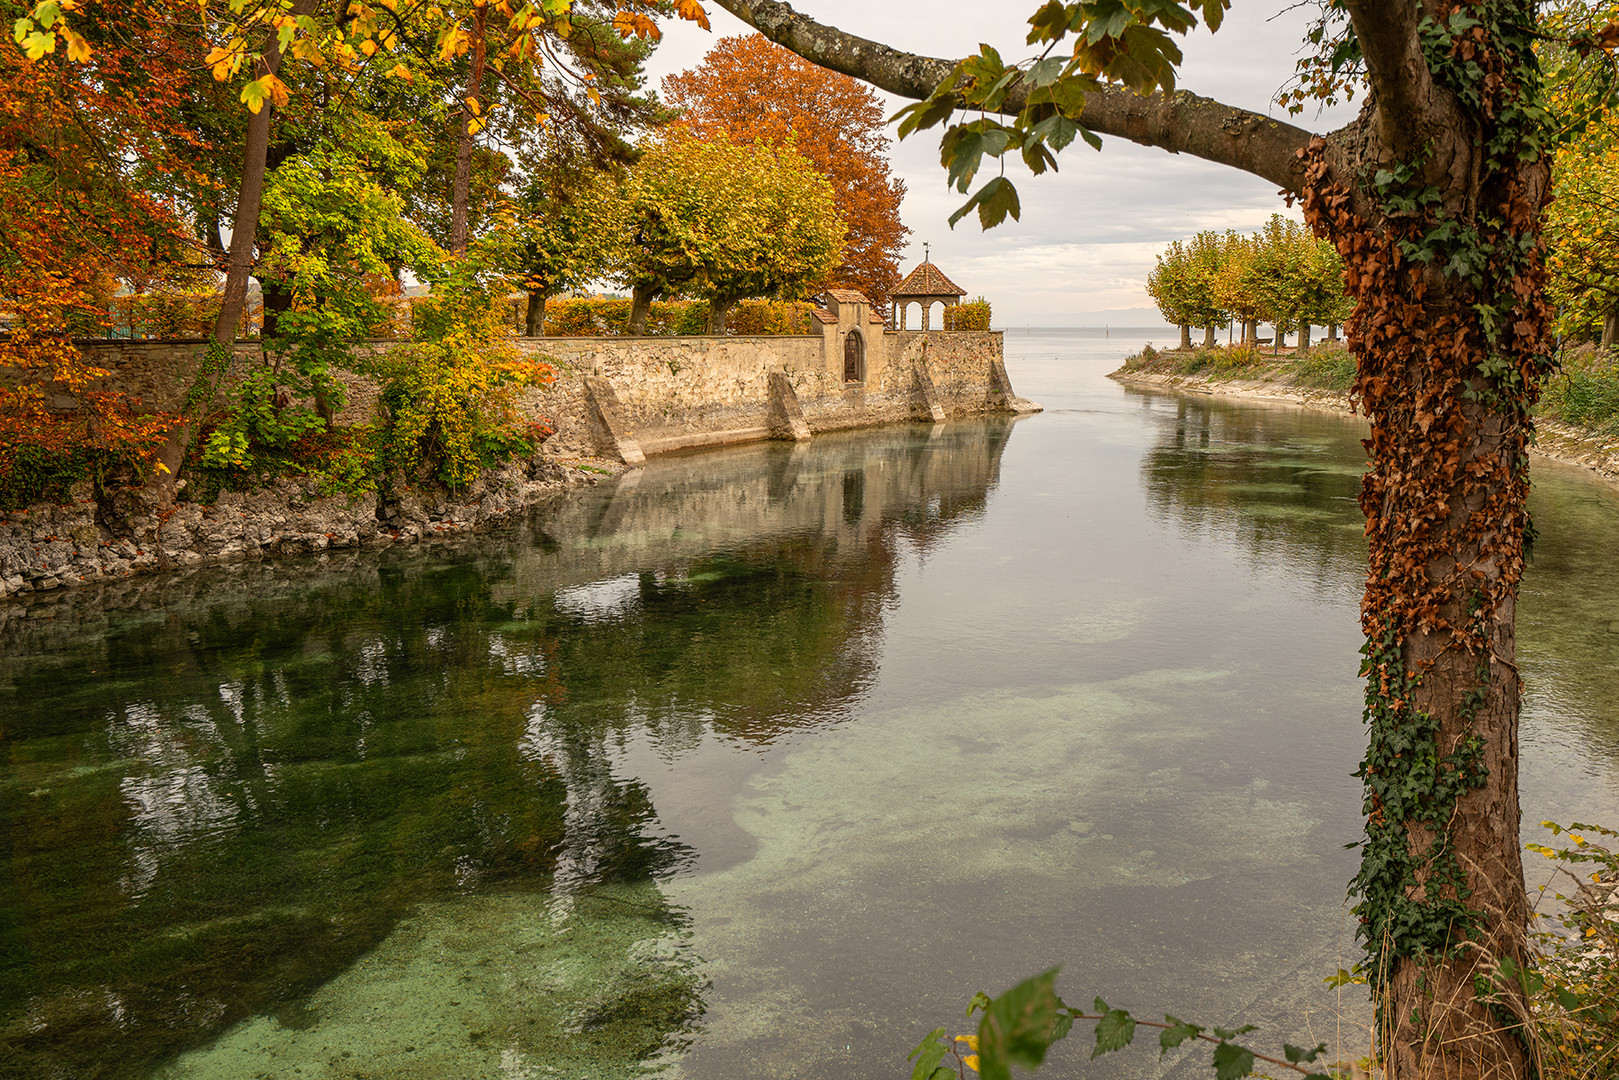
925,252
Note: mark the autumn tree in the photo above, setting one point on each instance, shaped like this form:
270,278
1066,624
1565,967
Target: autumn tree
722,221
1182,284
751,90
1433,196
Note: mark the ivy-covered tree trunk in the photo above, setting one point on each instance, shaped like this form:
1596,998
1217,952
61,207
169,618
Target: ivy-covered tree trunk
1433,197
1610,326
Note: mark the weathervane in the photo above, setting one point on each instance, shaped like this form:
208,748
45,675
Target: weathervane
924,251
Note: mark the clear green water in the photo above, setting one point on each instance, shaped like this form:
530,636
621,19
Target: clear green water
755,764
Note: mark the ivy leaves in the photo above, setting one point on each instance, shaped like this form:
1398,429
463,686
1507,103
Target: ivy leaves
1111,43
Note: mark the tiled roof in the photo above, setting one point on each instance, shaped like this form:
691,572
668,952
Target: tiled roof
875,317
824,316
927,280
850,296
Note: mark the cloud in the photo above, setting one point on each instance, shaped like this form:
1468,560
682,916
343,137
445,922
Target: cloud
1089,233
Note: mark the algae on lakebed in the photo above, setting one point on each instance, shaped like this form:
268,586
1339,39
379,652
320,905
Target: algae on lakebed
595,985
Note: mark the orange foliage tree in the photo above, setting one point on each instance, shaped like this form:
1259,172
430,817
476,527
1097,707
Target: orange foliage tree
751,90
83,146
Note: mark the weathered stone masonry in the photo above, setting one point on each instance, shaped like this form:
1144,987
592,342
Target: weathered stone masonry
615,398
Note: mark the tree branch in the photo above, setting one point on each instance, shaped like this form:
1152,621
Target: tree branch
1180,122
1402,85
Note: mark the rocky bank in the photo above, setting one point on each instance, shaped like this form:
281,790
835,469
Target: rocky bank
123,535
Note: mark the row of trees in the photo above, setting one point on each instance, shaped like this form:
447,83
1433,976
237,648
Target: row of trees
1280,275
332,149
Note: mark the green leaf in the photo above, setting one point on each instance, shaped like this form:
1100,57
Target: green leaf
1178,1032
1568,1000
943,1072
1018,1027
1232,1062
1297,1054
48,14
20,29
1044,72
997,199
1056,131
1115,1031
1232,1033
980,1002
927,1055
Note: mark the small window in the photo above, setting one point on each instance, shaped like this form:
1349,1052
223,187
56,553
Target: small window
854,359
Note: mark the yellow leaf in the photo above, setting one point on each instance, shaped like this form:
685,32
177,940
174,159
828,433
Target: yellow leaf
474,107
400,71
474,125
971,1061
77,49
368,47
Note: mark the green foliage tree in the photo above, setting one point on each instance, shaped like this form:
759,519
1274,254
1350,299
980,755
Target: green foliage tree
722,221
1183,282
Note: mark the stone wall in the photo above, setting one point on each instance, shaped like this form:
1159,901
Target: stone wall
675,393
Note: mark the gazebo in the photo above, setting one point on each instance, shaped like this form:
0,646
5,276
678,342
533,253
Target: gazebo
923,285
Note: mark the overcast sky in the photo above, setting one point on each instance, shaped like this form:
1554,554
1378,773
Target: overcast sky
1081,254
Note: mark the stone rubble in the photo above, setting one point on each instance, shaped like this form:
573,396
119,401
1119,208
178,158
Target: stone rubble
49,547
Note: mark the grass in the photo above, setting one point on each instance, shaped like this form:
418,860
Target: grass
1327,366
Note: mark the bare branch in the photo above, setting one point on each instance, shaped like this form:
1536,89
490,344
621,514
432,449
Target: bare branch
1180,123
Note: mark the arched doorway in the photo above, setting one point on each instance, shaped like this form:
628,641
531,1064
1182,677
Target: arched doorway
854,358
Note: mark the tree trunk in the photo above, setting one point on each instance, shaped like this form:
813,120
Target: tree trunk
1186,337
1332,331
718,310
460,194
1304,338
1276,339
1208,336
199,400
275,300
1610,326
1250,332
640,307
534,318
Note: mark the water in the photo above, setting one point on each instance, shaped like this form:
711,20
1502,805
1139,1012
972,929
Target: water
758,763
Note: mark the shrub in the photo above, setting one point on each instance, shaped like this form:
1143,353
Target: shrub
43,454
973,316
600,316
1586,392
1327,368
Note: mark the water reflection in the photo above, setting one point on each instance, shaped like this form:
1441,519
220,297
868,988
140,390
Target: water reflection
1282,484
221,792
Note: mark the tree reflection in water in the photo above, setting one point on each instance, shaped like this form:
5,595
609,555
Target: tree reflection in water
221,791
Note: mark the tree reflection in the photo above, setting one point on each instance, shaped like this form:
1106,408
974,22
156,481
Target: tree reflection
1283,487
209,808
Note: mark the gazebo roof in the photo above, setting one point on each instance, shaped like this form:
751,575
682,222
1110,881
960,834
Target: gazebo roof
927,280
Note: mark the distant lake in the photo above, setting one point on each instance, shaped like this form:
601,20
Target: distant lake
757,762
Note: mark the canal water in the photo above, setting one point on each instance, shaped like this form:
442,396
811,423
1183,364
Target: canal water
756,763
